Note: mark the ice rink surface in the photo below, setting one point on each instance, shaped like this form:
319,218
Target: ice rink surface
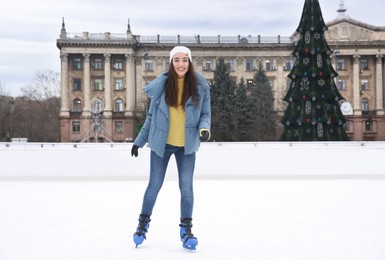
261,216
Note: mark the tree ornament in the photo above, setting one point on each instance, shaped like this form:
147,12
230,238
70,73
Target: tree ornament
307,107
319,60
321,82
320,130
307,37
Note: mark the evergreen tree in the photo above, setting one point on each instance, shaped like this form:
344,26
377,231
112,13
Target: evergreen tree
222,104
263,100
313,112
245,127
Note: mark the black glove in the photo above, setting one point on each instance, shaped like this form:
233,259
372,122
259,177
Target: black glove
134,150
204,135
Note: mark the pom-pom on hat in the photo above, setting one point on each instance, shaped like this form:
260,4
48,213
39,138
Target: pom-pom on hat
182,49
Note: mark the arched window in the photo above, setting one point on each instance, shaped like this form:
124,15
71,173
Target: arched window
77,106
119,105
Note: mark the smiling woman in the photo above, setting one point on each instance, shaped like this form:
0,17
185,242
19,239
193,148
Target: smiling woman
179,119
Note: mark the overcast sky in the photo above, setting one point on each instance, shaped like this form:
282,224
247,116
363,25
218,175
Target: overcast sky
29,29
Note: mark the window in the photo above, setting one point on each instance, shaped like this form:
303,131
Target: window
118,127
341,84
149,65
118,64
77,105
76,126
98,84
167,64
364,84
77,63
368,125
97,63
364,64
119,105
269,65
348,126
118,84
77,84
209,65
96,106
341,65
365,104
249,64
229,64
289,64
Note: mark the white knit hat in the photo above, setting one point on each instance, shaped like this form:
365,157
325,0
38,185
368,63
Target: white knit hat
180,49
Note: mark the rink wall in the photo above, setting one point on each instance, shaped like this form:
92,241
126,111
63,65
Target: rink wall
214,160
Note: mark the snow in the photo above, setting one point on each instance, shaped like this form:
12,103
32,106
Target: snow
266,201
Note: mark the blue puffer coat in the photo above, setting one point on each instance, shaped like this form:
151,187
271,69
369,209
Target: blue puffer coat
156,126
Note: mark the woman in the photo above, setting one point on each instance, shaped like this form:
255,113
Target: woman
179,118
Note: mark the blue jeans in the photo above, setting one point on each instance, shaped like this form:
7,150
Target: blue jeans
158,167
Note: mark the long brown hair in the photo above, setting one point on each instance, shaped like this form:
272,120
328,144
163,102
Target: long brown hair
189,88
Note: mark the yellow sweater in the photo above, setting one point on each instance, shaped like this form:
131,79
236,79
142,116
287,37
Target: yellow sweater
176,132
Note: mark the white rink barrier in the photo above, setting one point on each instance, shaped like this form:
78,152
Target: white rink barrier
214,160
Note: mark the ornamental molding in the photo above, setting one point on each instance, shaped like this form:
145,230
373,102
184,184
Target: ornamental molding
347,30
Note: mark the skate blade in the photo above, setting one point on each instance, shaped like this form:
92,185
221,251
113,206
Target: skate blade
190,249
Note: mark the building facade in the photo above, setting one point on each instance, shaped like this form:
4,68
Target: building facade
102,75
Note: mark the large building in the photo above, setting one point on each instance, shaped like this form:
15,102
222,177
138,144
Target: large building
103,74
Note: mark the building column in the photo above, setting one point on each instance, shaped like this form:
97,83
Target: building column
281,83
379,86
107,85
130,85
356,85
64,110
87,86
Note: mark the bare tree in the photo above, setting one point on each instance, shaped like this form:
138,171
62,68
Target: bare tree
5,111
46,85
36,114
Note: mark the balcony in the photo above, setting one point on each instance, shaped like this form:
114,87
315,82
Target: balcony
369,112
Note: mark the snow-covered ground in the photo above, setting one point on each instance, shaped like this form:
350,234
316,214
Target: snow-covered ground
265,201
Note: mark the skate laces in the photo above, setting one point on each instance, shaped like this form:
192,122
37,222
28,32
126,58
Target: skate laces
142,226
186,231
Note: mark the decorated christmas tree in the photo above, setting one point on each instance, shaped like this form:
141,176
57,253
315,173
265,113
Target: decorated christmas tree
313,112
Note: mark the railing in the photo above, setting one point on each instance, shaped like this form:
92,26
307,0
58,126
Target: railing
369,112
181,39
